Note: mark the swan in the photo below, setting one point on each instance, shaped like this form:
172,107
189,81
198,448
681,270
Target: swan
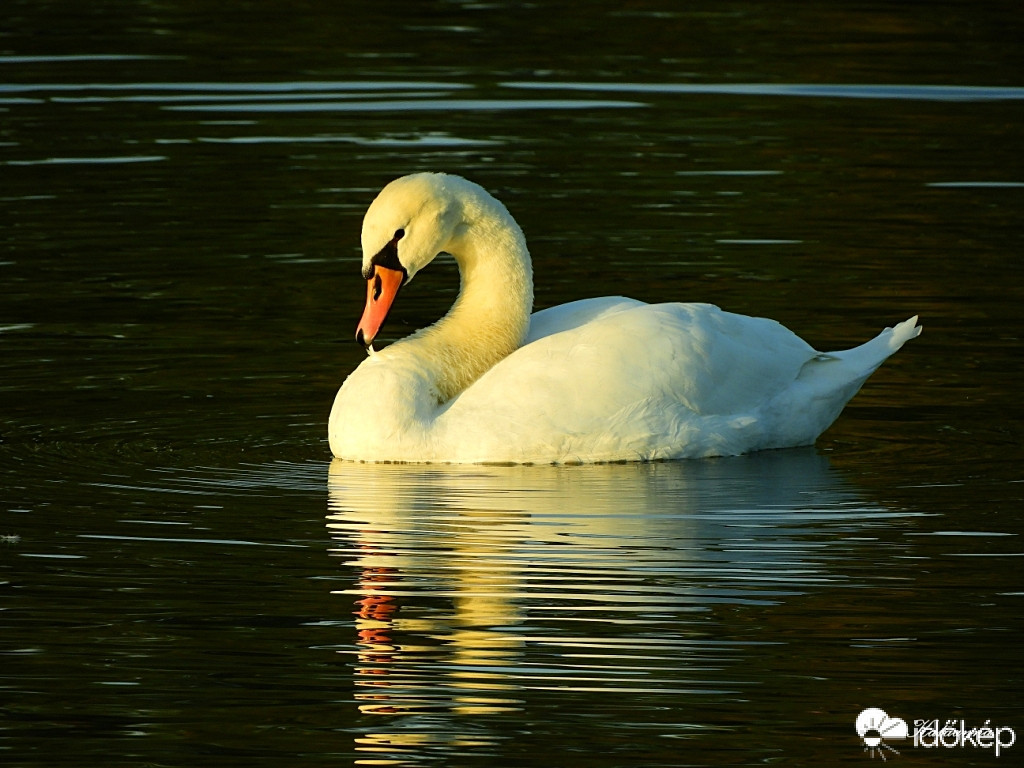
596,380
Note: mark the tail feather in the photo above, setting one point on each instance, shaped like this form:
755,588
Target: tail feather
904,332
868,356
827,382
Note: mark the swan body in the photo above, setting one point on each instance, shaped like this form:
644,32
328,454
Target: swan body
596,380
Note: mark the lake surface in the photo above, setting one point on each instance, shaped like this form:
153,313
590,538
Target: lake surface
186,578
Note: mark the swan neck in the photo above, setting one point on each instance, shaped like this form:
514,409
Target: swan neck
491,316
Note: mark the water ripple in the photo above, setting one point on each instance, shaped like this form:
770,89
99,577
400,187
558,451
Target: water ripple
411,105
806,90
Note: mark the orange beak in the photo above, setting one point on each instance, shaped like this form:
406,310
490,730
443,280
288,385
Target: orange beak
381,290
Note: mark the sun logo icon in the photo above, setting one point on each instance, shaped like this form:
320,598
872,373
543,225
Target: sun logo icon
875,728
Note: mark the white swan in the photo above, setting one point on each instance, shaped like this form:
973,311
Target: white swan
606,379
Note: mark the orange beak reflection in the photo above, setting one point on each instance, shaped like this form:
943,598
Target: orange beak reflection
381,290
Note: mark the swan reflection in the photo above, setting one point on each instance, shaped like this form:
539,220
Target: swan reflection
479,588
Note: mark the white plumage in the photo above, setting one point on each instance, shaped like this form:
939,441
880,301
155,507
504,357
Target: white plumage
605,379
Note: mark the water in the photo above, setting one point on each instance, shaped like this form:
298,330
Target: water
186,577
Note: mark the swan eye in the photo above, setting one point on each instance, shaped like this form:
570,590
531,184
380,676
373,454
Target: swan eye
399,234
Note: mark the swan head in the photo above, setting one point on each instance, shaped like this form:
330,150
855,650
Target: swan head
411,221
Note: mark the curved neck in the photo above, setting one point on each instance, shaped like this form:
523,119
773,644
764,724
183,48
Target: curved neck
491,316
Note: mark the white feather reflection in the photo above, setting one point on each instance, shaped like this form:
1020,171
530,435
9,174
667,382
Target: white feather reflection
479,587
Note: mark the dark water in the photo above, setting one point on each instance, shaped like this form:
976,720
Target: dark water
187,579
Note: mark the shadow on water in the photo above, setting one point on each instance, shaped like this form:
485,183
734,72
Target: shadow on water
486,591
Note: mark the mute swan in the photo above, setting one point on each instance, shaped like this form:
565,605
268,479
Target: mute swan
604,379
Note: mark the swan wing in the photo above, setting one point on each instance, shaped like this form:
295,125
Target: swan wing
608,379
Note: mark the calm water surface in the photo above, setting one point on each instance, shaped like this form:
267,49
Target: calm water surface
186,578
